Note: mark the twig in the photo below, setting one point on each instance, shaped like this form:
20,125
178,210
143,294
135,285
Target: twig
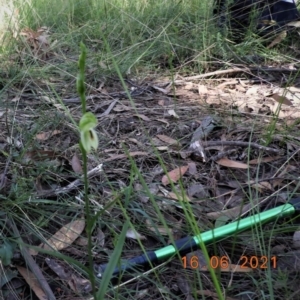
222,154
109,109
91,97
76,183
233,70
240,144
215,73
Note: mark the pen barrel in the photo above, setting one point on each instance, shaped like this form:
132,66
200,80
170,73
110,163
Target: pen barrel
189,244
244,224
135,262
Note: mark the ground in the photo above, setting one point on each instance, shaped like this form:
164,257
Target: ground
177,155
142,135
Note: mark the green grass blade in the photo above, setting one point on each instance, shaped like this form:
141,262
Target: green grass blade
112,263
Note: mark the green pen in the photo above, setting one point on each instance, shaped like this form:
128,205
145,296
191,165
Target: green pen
189,244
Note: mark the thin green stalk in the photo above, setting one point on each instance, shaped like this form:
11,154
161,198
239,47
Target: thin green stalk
80,77
86,128
112,263
88,220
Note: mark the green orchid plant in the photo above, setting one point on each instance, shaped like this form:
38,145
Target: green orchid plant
88,141
88,121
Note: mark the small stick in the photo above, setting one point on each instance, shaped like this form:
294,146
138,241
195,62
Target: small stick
240,144
233,70
71,186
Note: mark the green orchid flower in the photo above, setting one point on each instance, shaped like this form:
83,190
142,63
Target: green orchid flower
88,135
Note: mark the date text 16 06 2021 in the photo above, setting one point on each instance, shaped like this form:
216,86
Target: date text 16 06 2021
223,262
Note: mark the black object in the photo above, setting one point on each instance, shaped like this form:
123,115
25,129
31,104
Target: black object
262,16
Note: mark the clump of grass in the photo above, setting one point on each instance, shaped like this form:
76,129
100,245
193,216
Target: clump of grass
142,36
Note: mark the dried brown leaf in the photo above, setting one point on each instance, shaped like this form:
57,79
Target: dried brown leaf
178,196
232,164
168,140
79,285
57,268
285,112
174,175
76,283
82,241
64,237
281,99
261,185
76,164
32,282
143,117
258,161
279,38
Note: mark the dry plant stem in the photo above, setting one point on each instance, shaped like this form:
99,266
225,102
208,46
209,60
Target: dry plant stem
31,263
73,185
109,109
216,73
230,71
240,144
222,154
91,97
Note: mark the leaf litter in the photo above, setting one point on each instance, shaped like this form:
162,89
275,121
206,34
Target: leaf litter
221,151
